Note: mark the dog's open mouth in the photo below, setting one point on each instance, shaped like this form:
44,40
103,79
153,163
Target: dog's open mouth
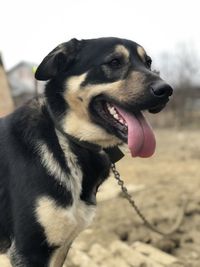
132,128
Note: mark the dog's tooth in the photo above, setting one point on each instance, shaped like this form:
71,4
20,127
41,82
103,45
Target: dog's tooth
109,107
113,111
115,114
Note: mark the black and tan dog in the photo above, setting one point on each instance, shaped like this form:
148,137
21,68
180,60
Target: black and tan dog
54,150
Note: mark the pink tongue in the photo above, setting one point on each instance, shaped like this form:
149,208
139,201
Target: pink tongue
141,139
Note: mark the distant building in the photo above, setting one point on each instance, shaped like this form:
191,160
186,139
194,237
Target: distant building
6,101
22,82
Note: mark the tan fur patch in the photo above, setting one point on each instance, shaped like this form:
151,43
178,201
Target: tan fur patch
51,164
62,225
58,223
4,261
141,52
85,130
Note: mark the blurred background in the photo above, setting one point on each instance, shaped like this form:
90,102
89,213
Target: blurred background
169,32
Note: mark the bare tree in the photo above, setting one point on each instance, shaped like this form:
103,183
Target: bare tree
182,68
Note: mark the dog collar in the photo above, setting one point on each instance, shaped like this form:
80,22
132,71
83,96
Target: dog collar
114,153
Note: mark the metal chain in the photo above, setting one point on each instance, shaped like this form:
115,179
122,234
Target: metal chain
141,215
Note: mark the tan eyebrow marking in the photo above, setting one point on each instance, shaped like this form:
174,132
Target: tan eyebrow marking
141,52
120,49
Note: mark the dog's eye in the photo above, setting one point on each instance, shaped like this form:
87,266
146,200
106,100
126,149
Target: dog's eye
148,61
115,63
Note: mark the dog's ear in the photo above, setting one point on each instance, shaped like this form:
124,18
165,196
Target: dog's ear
58,60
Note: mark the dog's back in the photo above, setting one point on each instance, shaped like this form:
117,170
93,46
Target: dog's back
18,165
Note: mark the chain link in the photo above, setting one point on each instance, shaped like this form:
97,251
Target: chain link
140,214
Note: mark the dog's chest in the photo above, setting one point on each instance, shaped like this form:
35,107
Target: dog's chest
60,224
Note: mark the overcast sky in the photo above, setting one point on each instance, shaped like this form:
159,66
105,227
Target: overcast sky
30,29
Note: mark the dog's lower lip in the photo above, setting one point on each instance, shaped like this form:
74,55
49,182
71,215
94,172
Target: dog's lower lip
156,109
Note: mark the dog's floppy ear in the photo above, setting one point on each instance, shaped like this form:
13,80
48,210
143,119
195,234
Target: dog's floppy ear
58,60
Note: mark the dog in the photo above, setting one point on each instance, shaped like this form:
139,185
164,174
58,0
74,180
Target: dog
57,149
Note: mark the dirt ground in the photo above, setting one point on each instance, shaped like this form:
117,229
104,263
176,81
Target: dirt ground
160,184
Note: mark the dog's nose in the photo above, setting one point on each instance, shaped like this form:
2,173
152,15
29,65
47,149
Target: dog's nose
161,90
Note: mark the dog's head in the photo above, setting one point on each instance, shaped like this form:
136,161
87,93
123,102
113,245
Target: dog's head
99,87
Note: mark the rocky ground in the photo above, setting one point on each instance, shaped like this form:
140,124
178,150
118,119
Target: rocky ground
162,187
